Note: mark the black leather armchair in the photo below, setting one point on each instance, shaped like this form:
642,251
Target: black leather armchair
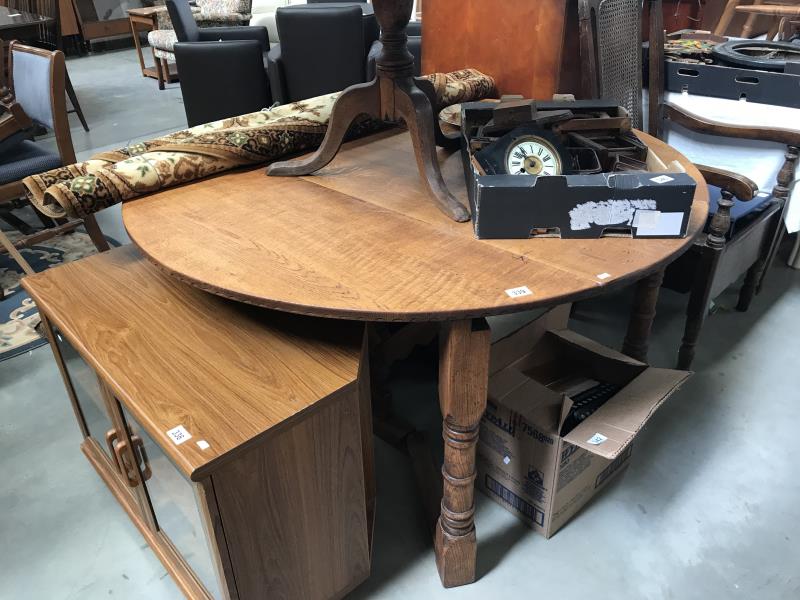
221,79
322,50
186,29
222,69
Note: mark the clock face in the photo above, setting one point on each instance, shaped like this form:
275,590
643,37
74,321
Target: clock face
532,155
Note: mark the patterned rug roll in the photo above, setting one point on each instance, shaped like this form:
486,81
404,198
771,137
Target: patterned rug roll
112,177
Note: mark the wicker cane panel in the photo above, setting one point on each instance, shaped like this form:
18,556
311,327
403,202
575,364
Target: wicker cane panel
619,35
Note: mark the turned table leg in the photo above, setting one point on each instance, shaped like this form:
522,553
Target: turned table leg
637,339
463,380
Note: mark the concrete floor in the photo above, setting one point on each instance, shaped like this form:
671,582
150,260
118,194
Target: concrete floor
708,509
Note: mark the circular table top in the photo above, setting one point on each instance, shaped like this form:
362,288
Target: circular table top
362,240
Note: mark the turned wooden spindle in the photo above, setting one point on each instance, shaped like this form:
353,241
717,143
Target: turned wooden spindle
700,298
637,337
394,95
463,381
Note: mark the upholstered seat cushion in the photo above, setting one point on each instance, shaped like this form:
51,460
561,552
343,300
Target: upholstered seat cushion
214,19
26,159
742,213
162,39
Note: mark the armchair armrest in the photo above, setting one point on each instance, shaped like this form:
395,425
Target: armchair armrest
701,124
228,34
277,80
738,185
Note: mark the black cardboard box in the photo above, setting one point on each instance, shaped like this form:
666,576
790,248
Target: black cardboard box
732,83
655,204
523,463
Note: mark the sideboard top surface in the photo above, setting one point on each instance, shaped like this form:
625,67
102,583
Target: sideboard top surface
175,355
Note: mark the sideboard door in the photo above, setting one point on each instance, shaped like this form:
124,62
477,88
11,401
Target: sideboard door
176,508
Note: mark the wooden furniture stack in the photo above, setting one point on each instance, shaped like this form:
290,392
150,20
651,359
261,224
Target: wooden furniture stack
362,240
238,440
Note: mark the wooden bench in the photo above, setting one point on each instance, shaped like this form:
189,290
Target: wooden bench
237,439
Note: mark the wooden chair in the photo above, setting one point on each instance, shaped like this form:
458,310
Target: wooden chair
49,37
722,255
37,81
785,17
754,9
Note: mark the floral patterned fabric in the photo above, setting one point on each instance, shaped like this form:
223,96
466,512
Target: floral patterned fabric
224,12
111,177
162,40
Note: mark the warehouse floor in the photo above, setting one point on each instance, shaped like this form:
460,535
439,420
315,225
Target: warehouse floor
707,509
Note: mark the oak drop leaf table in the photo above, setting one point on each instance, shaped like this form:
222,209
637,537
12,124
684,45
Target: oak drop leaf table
361,240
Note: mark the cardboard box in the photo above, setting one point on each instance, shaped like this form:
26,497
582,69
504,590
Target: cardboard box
652,204
524,462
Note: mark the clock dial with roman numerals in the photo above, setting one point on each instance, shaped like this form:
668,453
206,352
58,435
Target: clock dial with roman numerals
533,155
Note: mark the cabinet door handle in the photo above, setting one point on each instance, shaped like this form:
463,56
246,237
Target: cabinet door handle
144,464
111,442
121,452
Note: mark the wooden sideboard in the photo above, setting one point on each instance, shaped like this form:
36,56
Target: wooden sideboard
232,436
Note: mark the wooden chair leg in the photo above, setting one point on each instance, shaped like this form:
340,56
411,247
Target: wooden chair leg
781,190
14,253
727,17
773,31
15,222
700,297
697,310
159,72
637,338
747,29
748,291
73,98
96,235
794,257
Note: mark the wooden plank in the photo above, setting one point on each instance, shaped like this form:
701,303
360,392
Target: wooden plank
174,355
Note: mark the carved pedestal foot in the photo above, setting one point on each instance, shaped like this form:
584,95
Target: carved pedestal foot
354,101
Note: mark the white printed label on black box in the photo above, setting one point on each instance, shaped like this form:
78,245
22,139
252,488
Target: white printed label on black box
179,435
518,292
646,219
661,179
596,439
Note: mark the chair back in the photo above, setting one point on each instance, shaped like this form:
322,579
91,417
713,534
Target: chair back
237,69
322,49
611,52
180,13
38,82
